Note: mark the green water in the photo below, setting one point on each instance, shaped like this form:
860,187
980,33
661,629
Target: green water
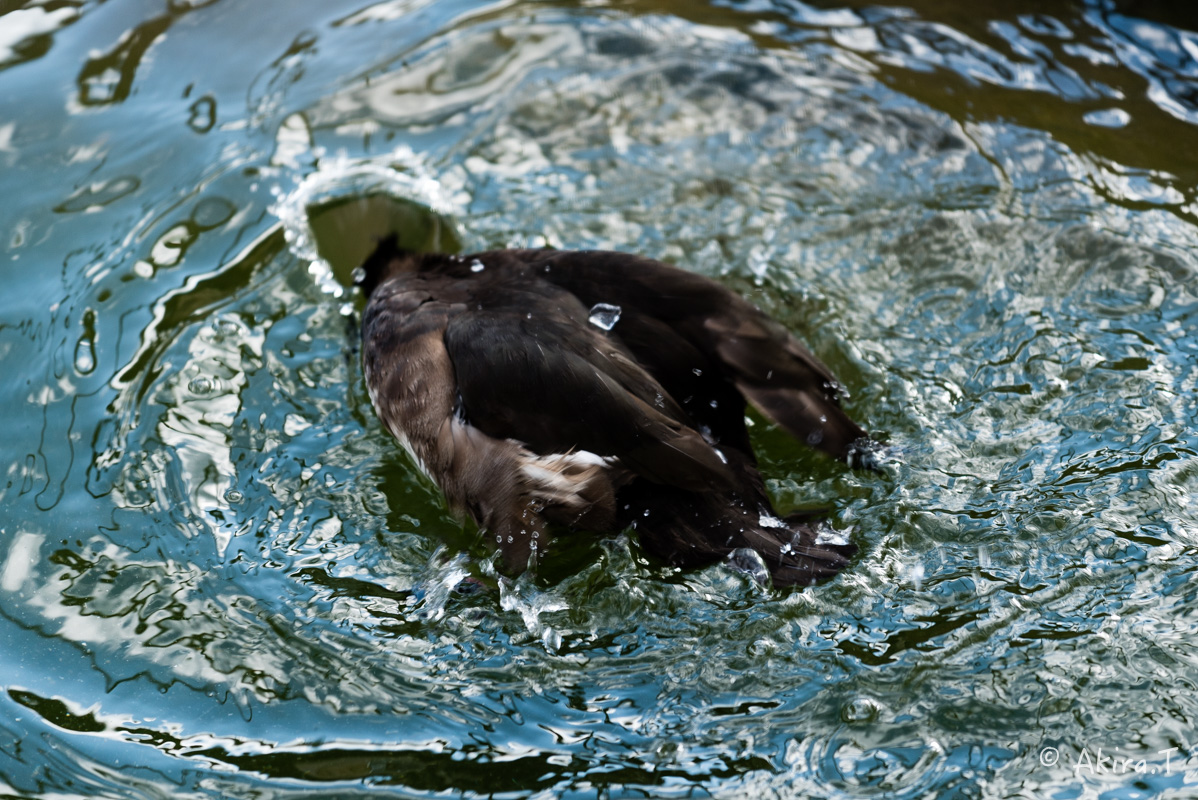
219,577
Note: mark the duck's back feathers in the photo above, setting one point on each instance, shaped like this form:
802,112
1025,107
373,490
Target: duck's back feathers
555,384
489,371
677,323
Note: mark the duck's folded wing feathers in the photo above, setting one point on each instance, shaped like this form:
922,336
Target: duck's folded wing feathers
557,386
784,380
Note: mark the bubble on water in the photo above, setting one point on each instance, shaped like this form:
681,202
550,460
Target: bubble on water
1107,118
604,315
234,496
860,709
85,355
750,562
201,386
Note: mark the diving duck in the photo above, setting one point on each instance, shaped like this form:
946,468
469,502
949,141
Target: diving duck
548,392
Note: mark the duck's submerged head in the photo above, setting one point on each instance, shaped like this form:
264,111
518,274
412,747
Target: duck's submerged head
387,261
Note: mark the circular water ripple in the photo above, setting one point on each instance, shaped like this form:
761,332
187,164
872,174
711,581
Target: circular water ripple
247,589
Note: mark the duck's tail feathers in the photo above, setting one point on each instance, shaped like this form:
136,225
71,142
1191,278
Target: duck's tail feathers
799,550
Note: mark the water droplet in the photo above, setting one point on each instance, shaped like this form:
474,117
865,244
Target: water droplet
212,212
860,709
528,315
498,540
85,355
715,404
720,453
510,539
645,513
203,114
359,275
659,401
234,496
697,371
201,386
477,266
769,375
605,315
749,561
1108,118
227,327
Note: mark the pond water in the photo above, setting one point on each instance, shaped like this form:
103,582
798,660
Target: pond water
219,577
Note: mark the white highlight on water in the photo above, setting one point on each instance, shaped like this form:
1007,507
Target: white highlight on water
22,558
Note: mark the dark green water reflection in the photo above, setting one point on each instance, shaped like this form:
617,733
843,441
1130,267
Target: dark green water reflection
220,578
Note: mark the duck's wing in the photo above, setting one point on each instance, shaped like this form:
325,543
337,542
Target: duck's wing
558,385
784,380
689,317
507,489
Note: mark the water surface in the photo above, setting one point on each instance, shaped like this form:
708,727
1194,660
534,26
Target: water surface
220,578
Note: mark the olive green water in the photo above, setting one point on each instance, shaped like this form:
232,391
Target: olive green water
220,578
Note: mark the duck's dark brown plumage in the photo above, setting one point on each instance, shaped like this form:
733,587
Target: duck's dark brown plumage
531,415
